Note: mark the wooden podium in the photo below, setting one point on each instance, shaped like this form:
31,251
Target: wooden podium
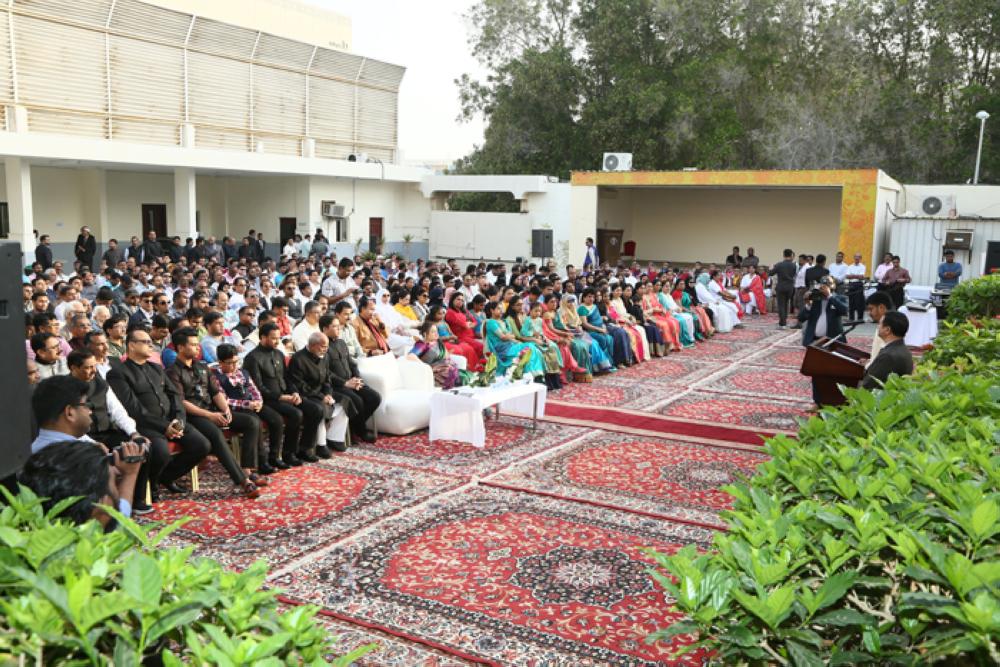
834,363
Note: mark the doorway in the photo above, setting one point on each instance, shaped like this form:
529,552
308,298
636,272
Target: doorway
992,258
609,244
154,219
286,230
375,239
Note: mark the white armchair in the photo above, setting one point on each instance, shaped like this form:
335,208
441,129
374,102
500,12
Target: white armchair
405,386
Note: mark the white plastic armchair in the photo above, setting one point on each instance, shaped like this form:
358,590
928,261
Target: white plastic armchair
405,387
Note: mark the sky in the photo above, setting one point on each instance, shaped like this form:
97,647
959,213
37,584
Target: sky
429,39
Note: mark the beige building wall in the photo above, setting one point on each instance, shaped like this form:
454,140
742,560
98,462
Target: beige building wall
702,224
292,19
127,192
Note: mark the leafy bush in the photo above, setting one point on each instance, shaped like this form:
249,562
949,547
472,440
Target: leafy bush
75,595
872,539
976,298
967,343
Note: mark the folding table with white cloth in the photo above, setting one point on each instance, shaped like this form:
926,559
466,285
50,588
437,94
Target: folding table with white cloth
458,415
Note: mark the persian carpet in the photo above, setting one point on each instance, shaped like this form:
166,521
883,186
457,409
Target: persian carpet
668,479
303,509
674,370
508,440
745,380
758,414
511,578
612,391
780,357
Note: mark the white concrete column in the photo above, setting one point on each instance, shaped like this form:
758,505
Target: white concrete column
184,222
17,118
95,201
17,172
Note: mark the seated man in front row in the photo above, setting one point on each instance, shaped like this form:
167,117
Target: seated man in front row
894,356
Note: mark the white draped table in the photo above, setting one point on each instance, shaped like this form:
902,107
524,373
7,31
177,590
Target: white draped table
459,416
923,326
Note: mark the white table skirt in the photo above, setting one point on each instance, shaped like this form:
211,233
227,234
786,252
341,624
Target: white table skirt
460,416
923,326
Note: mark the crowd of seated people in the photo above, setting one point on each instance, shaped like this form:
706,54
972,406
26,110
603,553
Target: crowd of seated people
188,351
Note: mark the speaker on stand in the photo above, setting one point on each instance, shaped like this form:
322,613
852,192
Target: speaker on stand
541,243
15,398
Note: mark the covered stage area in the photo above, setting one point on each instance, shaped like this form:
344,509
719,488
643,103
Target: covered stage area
690,216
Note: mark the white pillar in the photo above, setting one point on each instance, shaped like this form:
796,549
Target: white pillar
185,205
95,201
17,172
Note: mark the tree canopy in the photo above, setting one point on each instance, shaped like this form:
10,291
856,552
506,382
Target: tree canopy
736,84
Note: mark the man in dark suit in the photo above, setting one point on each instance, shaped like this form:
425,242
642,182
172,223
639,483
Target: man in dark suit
266,366
43,252
86,248
309,374
894,357
153,402
817,272
360,401
821,318
151,249
784,288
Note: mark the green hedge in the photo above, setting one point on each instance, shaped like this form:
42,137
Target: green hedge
73,595
872,539
976,298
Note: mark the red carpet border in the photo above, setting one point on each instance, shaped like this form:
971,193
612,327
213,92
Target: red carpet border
303,509
509,578
665,479
760,414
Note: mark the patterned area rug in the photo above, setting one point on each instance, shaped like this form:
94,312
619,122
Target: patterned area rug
758,382
754,413
780,357
507,441
675,370
653,476
513,578
303,509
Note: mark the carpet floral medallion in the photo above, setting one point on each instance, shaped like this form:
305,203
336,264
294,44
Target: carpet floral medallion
773,383
302,509
674,370
780,357
508,440
510,578
659,477
760,413
625,392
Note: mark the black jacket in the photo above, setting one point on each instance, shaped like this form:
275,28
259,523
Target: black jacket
43,255
148,396
814,274
342,367
309,376
836,308
785,272
893,358
266,368
85,249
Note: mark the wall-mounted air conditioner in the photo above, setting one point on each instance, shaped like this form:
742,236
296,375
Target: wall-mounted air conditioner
617,162
331,209
942,206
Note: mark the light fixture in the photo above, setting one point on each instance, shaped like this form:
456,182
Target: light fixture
982,116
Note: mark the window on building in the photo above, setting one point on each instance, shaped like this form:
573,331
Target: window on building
340,230
4,221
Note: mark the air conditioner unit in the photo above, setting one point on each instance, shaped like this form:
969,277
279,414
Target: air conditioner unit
617,162
358,157
331,209
940,207
959,239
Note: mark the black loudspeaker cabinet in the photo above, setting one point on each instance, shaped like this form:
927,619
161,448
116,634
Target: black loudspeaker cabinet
541,243
15,401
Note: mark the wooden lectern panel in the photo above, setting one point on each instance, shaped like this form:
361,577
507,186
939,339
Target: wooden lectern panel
833,364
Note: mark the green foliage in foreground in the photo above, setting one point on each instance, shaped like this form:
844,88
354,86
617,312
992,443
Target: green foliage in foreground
976,298
872,539
73,595
967,346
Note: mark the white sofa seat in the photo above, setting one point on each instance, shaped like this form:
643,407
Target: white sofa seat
405,386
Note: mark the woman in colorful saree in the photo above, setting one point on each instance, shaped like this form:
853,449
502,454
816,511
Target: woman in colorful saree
462,324
725,317
592,322
752,293
510,354
430,350
451,342
624,354
686,320
686,296
529,329
632,301
477,310
575,353
726,297
654,312
620,315
568,319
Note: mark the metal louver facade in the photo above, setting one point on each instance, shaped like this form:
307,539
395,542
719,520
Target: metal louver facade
125,70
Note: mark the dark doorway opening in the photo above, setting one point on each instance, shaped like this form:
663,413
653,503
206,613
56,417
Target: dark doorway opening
286,229
154,219
609,244
375,238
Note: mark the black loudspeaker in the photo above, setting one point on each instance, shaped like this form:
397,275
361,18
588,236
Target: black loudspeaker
541,243
15,401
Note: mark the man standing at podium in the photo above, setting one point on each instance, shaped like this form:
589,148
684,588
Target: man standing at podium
895,357
821,317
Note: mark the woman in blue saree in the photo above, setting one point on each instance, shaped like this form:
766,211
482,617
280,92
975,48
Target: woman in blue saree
568,319
503,343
